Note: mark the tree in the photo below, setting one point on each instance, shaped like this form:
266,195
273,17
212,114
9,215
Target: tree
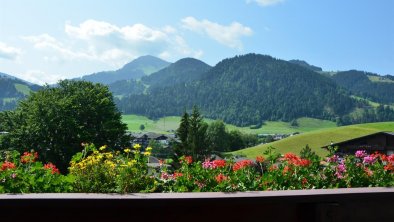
142,127
55,121
192,134
294,123
217,137
182,133
196,135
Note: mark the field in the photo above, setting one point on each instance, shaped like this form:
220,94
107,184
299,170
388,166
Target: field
22,88
163,125
171,123
318,138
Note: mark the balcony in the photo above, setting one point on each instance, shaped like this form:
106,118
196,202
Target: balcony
355,204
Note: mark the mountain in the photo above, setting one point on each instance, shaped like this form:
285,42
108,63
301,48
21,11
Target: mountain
306,65
136,69
367,85
247,90
123,88
183,71
13,90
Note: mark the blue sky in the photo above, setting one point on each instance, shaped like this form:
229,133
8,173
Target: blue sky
45,40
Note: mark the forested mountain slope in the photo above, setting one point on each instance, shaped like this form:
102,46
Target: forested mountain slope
246,90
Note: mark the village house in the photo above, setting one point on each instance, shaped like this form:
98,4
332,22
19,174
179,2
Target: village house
382,142
144,138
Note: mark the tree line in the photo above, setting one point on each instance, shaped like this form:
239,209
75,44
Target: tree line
199,139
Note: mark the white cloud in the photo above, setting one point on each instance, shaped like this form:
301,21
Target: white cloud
111,44
227,35
9,52
40,77
92,44
46,41
265,3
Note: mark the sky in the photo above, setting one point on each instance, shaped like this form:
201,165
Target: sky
43,41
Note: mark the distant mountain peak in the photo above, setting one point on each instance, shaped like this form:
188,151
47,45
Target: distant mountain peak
181,71
139,67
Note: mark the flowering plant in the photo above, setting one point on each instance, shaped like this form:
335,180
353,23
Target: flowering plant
24,174
103,171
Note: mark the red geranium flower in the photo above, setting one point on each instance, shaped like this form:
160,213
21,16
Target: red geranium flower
259,159
29,157
242,164
218,163
7,165
296,160
220,178
52,167
187,159
176,175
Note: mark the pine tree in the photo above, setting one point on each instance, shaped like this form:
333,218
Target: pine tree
182,133
196,135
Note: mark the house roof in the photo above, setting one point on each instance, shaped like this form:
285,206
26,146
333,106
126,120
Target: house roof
150,135
372,134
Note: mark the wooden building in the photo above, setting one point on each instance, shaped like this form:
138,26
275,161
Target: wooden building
382,142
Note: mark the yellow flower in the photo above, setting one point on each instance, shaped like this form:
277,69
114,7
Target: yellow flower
109,155
103,147
131,163
148,149
137,146
127,150
147,153
95,152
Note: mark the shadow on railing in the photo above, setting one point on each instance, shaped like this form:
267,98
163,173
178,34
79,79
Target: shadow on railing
357,204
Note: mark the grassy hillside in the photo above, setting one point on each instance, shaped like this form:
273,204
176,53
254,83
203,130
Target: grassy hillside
319,138
24,89
163,125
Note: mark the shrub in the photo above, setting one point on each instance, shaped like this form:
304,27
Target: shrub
23,174
102,171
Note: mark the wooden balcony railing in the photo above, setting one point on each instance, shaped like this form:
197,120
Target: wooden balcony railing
355,204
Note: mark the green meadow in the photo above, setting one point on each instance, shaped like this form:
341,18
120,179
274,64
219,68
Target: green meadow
171,123
317,139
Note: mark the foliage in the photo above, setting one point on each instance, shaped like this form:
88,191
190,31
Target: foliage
23,174
13,90
103,171
217,136
191,133
246,90
55,121
279,173
161,151
358,83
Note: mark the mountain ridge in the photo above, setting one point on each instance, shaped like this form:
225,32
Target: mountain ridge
139,67
249,89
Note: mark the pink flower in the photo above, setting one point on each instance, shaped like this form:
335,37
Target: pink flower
340,170
166,176
207,164
368,160
361,153
332,159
